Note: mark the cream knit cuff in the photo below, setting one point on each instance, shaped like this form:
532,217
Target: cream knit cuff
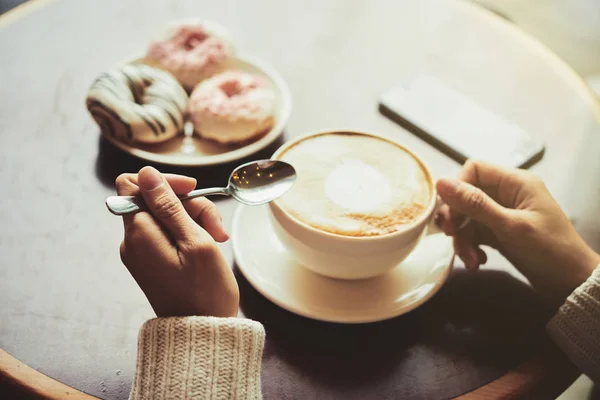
576,326
199,358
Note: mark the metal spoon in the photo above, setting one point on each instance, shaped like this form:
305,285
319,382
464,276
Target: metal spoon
254,183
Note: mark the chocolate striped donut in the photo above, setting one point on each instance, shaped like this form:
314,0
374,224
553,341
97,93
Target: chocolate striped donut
138,103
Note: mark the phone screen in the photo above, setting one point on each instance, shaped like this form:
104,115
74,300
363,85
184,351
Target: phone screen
457,125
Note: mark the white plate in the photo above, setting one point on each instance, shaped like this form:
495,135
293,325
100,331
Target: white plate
268,266
192,151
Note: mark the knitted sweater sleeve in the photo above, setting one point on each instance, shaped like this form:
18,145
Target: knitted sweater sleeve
576,326
199,358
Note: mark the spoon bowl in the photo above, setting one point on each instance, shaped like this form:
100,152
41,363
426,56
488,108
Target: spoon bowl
260,182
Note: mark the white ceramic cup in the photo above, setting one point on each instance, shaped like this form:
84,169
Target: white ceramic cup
349,257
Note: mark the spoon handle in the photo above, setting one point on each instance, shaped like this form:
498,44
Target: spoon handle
121,205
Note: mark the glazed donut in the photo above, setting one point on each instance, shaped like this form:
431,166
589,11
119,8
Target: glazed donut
231,107
138,103
192,50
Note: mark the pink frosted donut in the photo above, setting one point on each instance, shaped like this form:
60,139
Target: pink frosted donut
232,107
192,50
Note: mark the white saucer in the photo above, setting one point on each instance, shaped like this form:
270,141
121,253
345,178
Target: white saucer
272,271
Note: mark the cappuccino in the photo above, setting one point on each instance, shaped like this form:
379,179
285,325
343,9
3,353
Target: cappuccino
355,185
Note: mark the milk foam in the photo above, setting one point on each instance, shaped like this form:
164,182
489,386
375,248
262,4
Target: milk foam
355,185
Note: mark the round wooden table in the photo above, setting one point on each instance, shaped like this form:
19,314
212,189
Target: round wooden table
71,311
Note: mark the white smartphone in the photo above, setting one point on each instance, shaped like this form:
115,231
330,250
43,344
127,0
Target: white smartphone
458,126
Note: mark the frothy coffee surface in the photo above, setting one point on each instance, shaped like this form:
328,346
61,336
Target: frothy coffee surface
355,185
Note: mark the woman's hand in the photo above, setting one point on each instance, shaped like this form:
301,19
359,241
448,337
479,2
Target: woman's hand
171,251
513,211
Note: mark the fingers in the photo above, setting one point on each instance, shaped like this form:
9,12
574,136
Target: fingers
206,214
201,210
471,201
466,248
505,186
138,224
482,175
166,207
482,256
127,184
487,177
446,221
476,193
180,184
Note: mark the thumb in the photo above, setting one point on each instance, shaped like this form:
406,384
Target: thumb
471,201
165,206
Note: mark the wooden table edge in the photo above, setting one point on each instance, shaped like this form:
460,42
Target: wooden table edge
545,375
21,10
18,376
549,366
